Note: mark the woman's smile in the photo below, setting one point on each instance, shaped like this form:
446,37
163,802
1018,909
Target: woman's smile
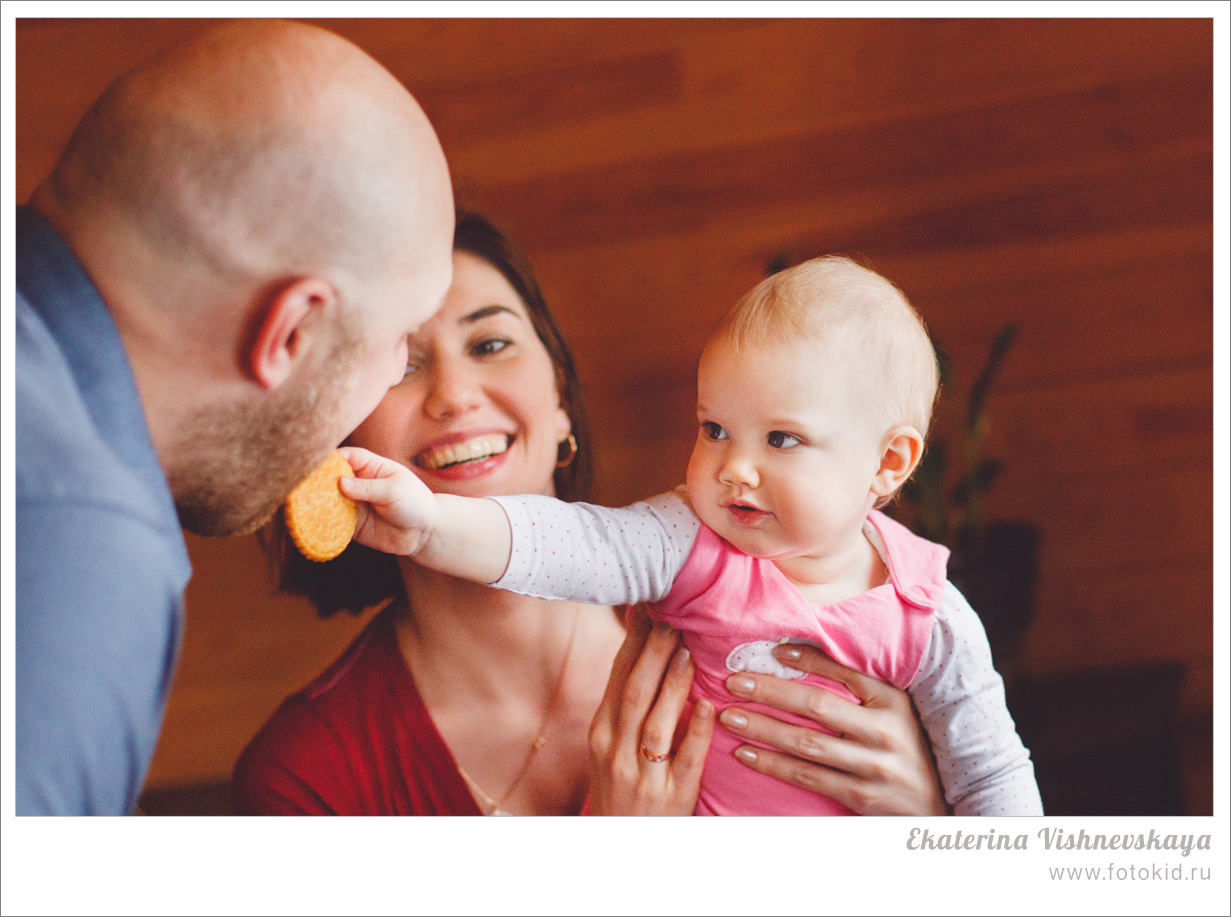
464,458
443,455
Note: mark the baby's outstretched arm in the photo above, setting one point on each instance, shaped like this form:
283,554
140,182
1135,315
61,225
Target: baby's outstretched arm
464,537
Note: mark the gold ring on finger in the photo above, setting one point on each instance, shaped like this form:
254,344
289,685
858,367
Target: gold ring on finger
650,756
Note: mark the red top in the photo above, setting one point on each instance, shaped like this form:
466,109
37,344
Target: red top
356,741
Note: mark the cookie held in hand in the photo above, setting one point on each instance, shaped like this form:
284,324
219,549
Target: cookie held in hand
322,521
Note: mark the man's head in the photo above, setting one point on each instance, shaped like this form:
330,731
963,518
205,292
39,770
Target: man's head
267,213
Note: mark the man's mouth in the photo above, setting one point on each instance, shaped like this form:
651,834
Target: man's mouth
471,450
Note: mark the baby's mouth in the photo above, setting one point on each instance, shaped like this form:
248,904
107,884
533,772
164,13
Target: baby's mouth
745,513
472,450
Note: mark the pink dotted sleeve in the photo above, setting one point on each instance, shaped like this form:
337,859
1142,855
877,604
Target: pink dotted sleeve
984,767
595,554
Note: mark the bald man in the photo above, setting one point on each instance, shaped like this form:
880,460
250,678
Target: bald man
215,286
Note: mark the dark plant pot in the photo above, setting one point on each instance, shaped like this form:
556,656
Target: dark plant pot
997,575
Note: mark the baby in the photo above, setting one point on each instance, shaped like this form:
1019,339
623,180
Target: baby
814,398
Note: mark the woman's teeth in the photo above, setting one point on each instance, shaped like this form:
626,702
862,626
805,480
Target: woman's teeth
480,447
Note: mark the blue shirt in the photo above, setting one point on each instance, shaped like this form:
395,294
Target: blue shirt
101,560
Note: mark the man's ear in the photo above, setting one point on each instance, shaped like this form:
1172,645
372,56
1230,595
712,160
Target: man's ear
282,335
901,451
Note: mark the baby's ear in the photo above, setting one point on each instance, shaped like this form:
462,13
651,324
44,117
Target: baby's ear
901,450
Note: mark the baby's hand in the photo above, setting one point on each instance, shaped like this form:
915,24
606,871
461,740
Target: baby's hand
397,511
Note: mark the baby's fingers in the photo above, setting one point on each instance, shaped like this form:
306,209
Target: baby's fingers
380,492
368,464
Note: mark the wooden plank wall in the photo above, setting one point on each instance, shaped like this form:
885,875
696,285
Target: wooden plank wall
1053,172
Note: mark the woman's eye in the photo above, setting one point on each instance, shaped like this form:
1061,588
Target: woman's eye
489,347
411,369
779,440
713,431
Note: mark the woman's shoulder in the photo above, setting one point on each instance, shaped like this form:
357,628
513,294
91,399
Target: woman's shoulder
316,735
288,767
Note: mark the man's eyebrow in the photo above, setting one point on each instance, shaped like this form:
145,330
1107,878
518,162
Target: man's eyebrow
485,312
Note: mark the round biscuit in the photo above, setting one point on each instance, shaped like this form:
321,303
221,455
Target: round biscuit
322,521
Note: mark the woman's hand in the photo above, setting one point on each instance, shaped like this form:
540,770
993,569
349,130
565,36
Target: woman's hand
636,722
878,764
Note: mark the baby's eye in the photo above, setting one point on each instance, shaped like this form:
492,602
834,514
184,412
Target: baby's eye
489,347
713,431
780,440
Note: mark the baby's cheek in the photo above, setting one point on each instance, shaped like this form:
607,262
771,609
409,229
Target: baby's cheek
805,506
695,463
698,478
705,501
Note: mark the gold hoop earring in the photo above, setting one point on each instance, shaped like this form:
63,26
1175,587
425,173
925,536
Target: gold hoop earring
572,452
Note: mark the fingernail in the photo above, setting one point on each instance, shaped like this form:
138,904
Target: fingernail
788,652
741,684
705,710
734,719
662,627
747,755
679,664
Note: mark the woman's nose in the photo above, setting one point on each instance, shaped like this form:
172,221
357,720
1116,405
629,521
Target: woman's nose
454,390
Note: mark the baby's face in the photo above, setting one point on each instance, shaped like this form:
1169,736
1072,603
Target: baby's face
787,447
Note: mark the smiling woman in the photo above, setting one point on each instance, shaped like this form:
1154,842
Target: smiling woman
453,700
495,290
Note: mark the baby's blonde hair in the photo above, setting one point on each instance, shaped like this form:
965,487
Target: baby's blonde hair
833,296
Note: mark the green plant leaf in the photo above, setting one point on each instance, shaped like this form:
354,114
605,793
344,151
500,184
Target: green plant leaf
978,391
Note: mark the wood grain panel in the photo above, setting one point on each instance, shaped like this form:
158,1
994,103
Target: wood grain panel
1107,426
529,100
427,52
658,196
1163,315
1147,519
56,85
758,81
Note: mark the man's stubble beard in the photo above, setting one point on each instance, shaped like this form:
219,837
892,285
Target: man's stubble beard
240,461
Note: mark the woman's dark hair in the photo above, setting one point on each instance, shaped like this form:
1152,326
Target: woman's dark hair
360,577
